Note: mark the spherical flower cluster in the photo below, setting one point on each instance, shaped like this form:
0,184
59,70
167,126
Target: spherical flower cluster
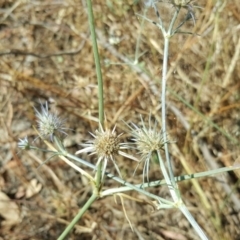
106,145
49,124
148,140
24,143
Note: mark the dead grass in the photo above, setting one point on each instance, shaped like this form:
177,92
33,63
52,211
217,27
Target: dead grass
46,54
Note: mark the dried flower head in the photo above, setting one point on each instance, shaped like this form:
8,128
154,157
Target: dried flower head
106,145
24,143
148,140
49,124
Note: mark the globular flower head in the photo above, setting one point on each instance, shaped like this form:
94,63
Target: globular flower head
49,124
148,140
106,145
24,143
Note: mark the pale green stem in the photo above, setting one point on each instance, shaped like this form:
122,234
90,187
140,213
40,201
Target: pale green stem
140,187
111,176
173,189
173,186
97,63
123,182
99,179
193,222
78,216
117,179
163,181
167,36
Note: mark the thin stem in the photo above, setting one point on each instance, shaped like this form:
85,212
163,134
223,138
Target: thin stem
117,179
99,179
78,216
68,155
170,29
172,189
163,100
193,222
97,62
163,181
163,95
158,15
173,186
140,187
123,182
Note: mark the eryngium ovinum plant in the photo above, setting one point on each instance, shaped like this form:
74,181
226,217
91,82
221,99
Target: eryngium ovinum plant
106,144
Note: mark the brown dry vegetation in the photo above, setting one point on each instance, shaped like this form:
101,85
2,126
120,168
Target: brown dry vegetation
46,55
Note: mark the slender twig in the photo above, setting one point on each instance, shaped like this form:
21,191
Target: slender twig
161,182
172,186
97,62
90,201
166,36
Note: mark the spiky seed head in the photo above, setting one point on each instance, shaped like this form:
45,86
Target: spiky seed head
148,139
49,124
106,143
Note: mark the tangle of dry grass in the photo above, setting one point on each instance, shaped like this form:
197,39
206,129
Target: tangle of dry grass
46,54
